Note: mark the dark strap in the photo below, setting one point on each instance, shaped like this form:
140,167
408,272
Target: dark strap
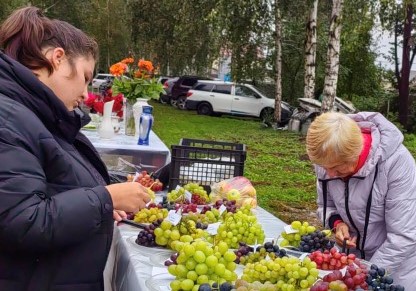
367,213
325,197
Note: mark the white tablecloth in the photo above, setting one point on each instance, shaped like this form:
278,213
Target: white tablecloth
149,157
128,268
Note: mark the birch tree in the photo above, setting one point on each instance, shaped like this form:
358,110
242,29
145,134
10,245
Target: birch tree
278,74
310,52
332,60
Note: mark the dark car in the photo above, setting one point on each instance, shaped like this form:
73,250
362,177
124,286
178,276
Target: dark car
167,85
181,87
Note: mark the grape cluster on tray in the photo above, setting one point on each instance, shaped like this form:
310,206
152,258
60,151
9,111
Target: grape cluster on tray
315,241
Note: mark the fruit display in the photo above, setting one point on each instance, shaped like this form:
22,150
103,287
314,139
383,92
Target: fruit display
331,260
378,279
198,195
238,189
358,278
186,231
241,226
199,263
299,229
146,180
287,273
150,214
247,254
146,237
317,240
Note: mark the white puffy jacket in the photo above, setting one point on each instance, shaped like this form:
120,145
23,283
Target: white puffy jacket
379,202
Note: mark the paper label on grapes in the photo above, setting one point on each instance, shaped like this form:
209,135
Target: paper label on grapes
164,288
188,196
136,176
177,187
174,217
289,229
212,228
222,209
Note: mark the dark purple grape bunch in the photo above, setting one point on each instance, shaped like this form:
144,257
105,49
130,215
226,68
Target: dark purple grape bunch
226,286
378,279
171,260
315,241
146,237
243,250
230,205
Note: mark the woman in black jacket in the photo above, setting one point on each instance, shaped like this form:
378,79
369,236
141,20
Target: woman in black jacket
56,207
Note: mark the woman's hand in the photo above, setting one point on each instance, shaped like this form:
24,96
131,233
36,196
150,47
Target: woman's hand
343,232
128,196
119,215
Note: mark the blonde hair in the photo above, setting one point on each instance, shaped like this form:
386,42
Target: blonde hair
333,138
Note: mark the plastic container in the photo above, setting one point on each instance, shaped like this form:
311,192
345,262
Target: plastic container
205,162
146,123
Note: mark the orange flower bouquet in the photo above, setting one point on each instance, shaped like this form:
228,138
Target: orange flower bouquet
135,80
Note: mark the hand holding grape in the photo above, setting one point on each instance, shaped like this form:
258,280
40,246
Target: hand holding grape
128,196
343,232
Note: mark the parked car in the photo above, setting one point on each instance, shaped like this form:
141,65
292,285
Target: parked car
181,87
167,85
219,97
309,108
101,78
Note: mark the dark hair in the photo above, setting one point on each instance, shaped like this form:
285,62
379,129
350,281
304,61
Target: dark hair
26,32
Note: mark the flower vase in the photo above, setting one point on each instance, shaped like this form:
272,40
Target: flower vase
137,111
106,130
129,122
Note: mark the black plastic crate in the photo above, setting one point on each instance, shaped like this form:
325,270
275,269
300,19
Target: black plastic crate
205,162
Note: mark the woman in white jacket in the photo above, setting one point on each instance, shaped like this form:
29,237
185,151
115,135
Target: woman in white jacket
366,183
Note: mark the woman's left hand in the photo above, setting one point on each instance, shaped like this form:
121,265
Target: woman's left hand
118,215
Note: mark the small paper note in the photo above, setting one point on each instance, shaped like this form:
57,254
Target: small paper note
222,209
289,229
136,176
177,187
212,228
188,196
174,217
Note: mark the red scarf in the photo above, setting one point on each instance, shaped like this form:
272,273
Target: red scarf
365,151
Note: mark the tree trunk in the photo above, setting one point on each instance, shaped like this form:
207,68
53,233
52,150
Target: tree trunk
278,75
332,59
310,52
404,100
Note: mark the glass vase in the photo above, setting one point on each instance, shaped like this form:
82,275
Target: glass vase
129,122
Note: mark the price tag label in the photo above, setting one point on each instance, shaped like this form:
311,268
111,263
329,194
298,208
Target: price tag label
177,187
136,176
174,217
188,196
222,209
212,228
289,229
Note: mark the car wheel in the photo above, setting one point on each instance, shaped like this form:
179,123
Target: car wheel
204,109
163,99
267,116
174,103
181,103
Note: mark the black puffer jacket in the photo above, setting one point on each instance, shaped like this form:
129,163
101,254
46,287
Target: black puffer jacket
56,220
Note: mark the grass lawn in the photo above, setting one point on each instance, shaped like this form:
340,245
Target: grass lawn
276,163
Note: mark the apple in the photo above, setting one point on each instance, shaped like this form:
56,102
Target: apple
233,194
